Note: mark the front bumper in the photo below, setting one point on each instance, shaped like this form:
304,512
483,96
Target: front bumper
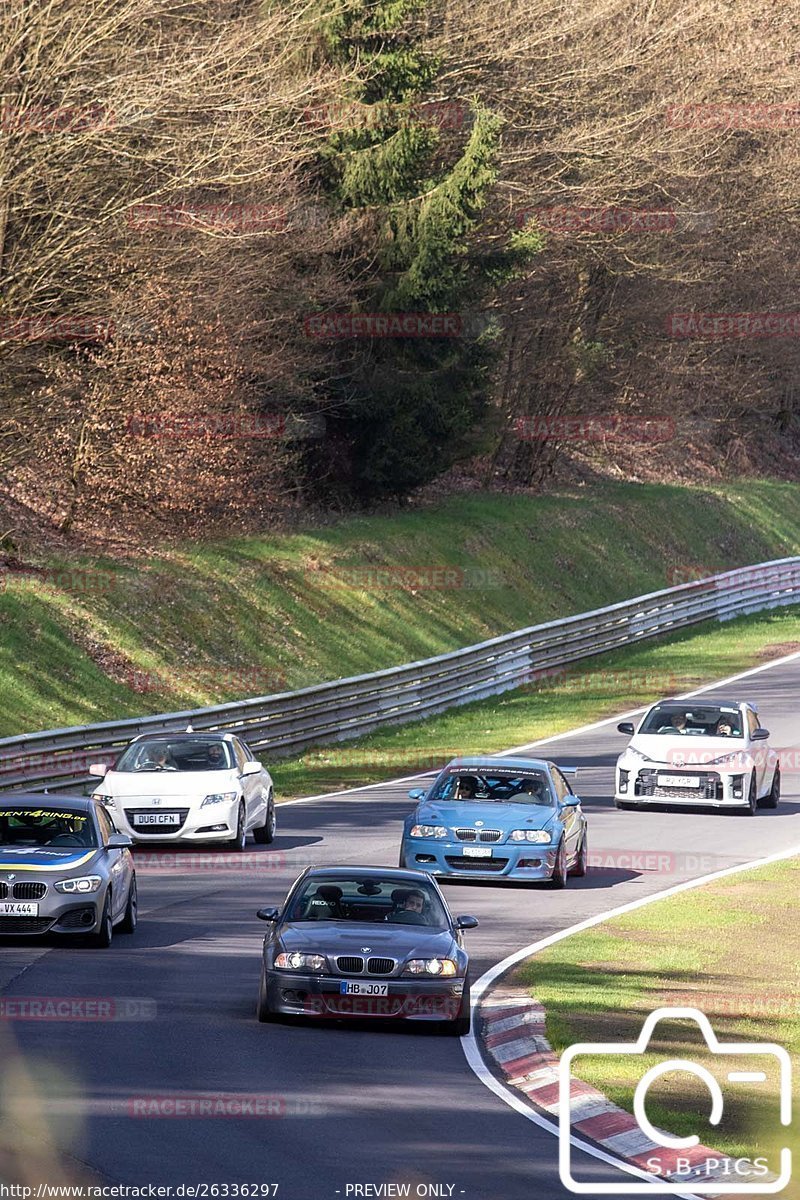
446,859
653,783
408,999
57,914
214,823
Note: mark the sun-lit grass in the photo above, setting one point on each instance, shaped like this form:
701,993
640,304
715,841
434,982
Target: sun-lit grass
101,639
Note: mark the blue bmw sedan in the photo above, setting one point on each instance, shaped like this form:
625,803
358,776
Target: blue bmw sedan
497,818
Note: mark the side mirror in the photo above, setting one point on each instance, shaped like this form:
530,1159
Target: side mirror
626,727
252,768
99,769
267,914
760,735
416,793
570,802
467,922
119,841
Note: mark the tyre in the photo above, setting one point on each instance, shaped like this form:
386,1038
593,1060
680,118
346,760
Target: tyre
773,796
103,938
581,864
131,919
266,833
238,843
559,877
460,1027
752,800
263,1010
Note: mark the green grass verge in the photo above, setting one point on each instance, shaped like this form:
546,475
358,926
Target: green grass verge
730,949
95,640
585,692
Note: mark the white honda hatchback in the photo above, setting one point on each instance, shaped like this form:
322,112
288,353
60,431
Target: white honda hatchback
698,752
189,787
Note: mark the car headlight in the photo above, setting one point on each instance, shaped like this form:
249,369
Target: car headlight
736,757
220,798
531,835
107,800
294,961
431,966
428,831
633,753
86,883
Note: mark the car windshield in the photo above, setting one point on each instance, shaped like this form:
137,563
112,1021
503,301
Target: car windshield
370,899
508,787
51,827
188,754
708,720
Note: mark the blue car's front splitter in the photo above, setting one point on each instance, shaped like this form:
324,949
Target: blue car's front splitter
448,860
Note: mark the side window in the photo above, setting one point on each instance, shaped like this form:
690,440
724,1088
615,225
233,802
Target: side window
238,750
248,753
562,787
752,722
105,823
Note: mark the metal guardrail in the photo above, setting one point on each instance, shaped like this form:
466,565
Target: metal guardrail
290,722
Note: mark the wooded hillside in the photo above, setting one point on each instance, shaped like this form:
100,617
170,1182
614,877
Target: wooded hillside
258,256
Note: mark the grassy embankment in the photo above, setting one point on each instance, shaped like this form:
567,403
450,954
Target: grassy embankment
93,640
730,949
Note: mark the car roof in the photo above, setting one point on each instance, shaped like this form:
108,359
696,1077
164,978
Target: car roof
368,873
490,762
39,799
183,736
699,702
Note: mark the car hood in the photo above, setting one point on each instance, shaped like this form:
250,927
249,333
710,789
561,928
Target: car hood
390,941
32,860
123,785
494,815
686,751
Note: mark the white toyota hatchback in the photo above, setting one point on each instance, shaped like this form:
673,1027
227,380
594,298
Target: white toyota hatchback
189,787
698,752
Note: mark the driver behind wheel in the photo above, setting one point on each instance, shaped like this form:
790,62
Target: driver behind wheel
160,759
409,908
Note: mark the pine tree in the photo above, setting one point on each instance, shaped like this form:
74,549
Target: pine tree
409,407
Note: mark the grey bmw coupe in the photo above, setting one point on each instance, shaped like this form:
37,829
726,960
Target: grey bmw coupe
64,869
366,942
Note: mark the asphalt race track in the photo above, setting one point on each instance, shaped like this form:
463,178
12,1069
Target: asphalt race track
354,1104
